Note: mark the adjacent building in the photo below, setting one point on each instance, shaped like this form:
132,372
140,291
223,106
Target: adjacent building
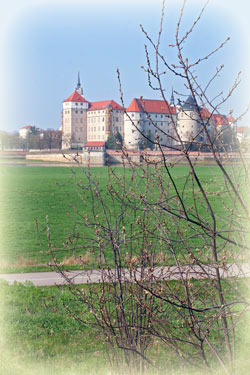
154,118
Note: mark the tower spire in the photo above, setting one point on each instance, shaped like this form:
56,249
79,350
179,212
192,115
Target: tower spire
172,98
78,87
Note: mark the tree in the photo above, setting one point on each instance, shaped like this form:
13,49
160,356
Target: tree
10,140
177,245
146,142
114,141
52,139
119,140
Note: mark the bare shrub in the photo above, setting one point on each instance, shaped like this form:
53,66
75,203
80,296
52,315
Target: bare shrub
178,243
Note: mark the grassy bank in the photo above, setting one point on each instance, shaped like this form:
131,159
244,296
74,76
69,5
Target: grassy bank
29,193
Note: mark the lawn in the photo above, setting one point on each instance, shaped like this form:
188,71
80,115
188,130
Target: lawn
30,193
38,336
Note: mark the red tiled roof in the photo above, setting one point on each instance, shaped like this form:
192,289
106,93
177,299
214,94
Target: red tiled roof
205,113
150,106
75,97
241,129
219,119
104,104
26,127
96,144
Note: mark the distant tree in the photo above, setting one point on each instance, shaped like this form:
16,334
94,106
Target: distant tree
119,140
52,139
10,140
114,141
3,139
147,141
34,130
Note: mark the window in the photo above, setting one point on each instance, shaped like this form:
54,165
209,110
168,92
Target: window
76,111
161,116
155,116
81,120
81,111
81,103
103,119
76,103
132,115
117,119
103,128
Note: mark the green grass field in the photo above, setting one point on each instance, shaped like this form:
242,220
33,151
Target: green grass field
38,336
30,193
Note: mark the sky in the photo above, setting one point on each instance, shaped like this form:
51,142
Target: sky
44,43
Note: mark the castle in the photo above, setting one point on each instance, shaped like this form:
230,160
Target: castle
89,124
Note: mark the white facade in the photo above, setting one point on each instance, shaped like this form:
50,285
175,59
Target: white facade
103,119
153,118
24,131
74,122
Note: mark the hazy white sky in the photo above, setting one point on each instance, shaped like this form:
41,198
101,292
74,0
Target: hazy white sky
43,43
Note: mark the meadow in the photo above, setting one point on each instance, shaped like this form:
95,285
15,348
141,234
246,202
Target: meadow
30,193
37,333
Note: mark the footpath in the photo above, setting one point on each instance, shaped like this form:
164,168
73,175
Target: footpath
111,275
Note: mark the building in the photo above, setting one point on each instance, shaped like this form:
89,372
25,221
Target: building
103,118
24,131
243,133
89,124
84,122
153,118
74,119
188,122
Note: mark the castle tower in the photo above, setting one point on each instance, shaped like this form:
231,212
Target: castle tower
74,123
188,121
